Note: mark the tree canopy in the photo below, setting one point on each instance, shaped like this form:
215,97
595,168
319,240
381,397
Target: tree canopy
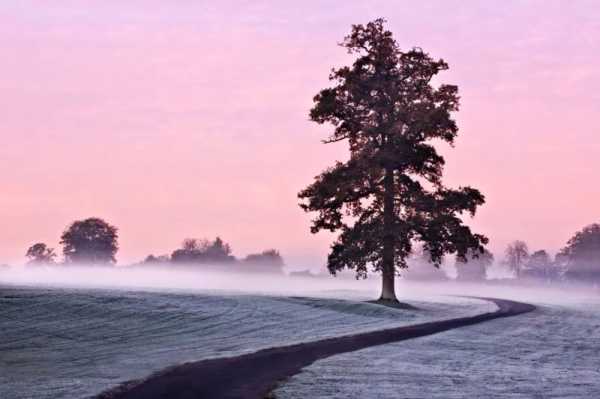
389,193
91,241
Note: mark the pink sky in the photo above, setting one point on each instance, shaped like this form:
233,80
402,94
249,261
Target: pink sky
174,119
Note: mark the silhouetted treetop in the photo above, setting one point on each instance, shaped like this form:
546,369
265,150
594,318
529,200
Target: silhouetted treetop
194,244
219,251
387,88
90,241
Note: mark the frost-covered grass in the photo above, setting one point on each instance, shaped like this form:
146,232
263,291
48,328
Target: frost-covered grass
552,352
66,343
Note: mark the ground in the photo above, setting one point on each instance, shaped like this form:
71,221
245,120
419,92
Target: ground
65,343
78,342
549,353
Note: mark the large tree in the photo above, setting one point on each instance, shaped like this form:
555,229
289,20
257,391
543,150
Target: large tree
91,241
388,194
582,253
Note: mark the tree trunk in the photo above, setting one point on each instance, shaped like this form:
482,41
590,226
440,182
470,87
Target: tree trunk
388,274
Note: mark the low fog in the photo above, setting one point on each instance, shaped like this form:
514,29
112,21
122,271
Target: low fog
214,279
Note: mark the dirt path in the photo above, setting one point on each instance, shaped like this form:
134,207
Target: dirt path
254,375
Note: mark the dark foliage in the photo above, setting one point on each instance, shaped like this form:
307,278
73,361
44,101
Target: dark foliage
91,241
40,254
202,251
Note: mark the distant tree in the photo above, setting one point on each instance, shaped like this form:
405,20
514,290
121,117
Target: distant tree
90,241
389,194
540,266
582,253
192,251
268,260
219,251
40,254
516,258
475,266
201,251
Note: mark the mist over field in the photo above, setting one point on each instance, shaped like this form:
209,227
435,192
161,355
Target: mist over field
168,277
219,280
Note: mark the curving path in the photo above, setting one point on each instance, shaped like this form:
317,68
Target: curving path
254,375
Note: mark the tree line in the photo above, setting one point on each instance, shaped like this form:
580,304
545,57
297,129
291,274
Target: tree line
578,260
94,242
